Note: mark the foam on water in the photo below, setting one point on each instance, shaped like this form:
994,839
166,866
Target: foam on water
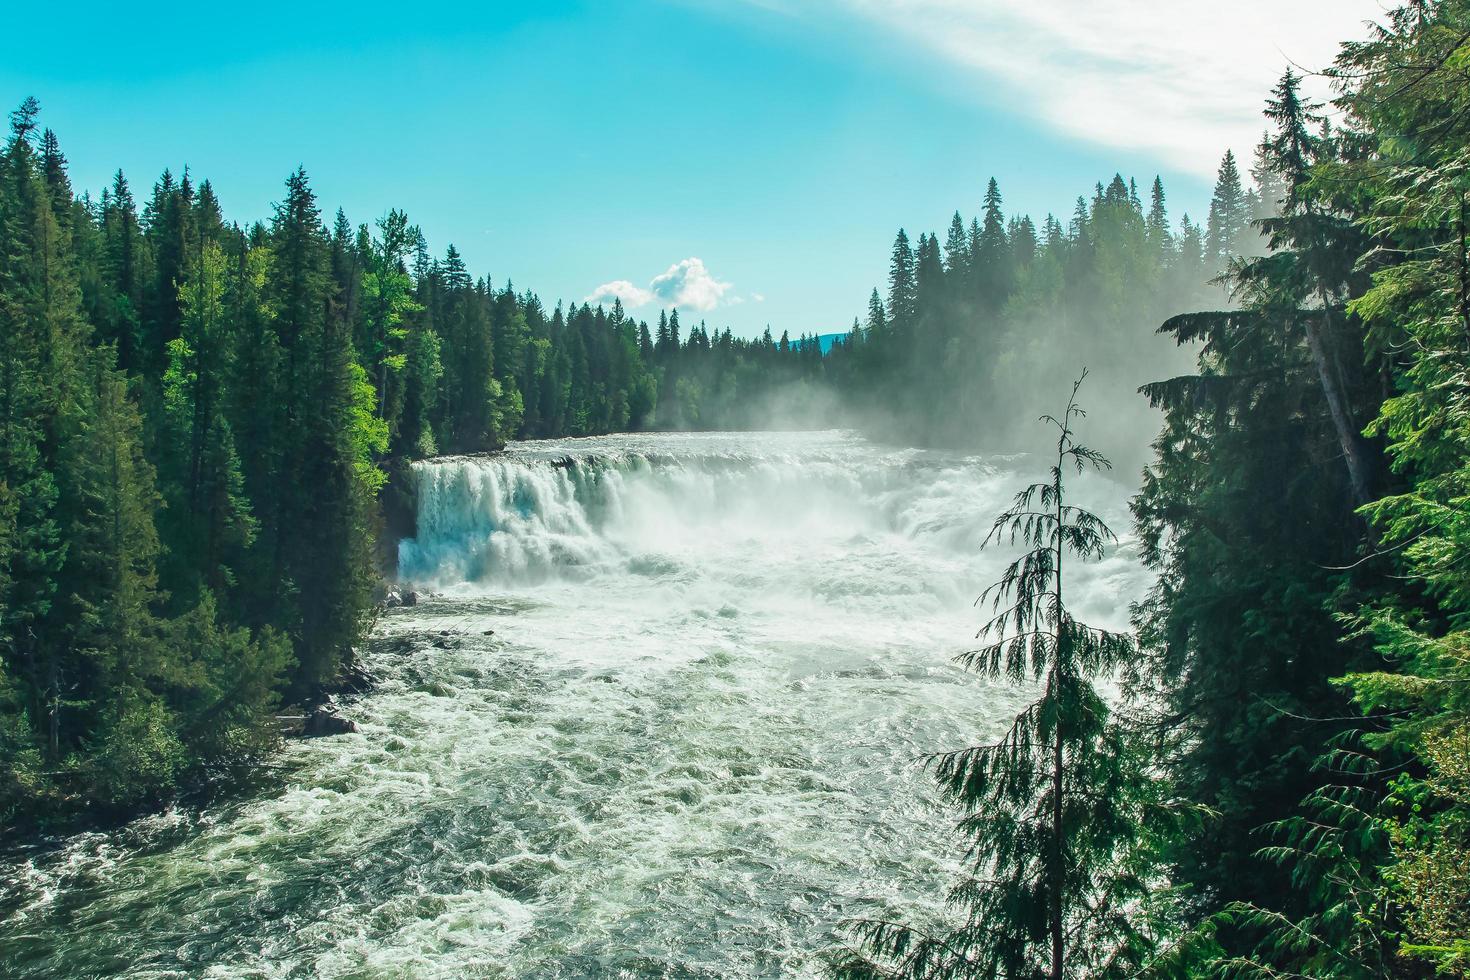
688,748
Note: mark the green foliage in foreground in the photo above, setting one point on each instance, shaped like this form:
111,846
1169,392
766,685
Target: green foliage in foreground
1061,815
1305,510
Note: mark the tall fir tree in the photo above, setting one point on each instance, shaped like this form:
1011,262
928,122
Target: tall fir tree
1058,861
902,282
1230,213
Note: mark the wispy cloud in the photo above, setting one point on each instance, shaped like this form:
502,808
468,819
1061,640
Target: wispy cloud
687,284
1183,80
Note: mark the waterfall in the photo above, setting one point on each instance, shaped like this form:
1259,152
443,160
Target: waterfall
563,511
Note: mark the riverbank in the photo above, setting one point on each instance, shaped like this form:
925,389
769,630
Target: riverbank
322,713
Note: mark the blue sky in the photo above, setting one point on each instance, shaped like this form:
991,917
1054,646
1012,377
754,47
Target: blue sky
751,157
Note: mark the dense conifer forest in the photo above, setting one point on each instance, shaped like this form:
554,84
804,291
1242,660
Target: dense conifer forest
199,422
1001,301
202,423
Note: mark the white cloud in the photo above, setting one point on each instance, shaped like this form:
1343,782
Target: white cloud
620,289
687,285
1184,80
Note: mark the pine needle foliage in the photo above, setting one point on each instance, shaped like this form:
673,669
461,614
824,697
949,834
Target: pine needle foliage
1056,814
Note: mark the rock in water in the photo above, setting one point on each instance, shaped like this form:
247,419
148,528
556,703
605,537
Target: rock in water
394,599
323,722
353,677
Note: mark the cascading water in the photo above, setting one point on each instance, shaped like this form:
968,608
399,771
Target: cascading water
659,714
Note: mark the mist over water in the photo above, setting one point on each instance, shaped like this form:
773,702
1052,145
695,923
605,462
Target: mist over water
660,714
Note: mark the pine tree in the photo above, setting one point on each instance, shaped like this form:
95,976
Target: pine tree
877,323
332,562
254,406
41,378
58,184
423,371
31,545
661,348
902,285
122,256
1191,247
1081,225
208,521
1392,860
1239,533
929,292
111,573
388,304
1056,811
1229,213
167,222
454,315
991,259
510,333
645,343
1311,248
1269,189
1159,239
320,531
1021,233
957,251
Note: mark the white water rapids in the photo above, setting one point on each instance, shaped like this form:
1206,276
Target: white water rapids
659,714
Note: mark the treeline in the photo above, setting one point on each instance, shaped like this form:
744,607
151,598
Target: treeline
1287,791
495,365
951,348
196,422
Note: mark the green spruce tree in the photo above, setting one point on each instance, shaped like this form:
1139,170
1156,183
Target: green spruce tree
1057,813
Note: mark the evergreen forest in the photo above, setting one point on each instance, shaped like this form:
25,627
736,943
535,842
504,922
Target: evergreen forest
207,430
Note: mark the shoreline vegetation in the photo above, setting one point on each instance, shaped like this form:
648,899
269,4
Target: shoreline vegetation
205,431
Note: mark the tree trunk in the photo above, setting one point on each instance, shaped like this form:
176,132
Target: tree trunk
1354,452
1059,668
1057,871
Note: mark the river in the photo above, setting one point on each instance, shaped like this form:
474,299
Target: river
660,712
